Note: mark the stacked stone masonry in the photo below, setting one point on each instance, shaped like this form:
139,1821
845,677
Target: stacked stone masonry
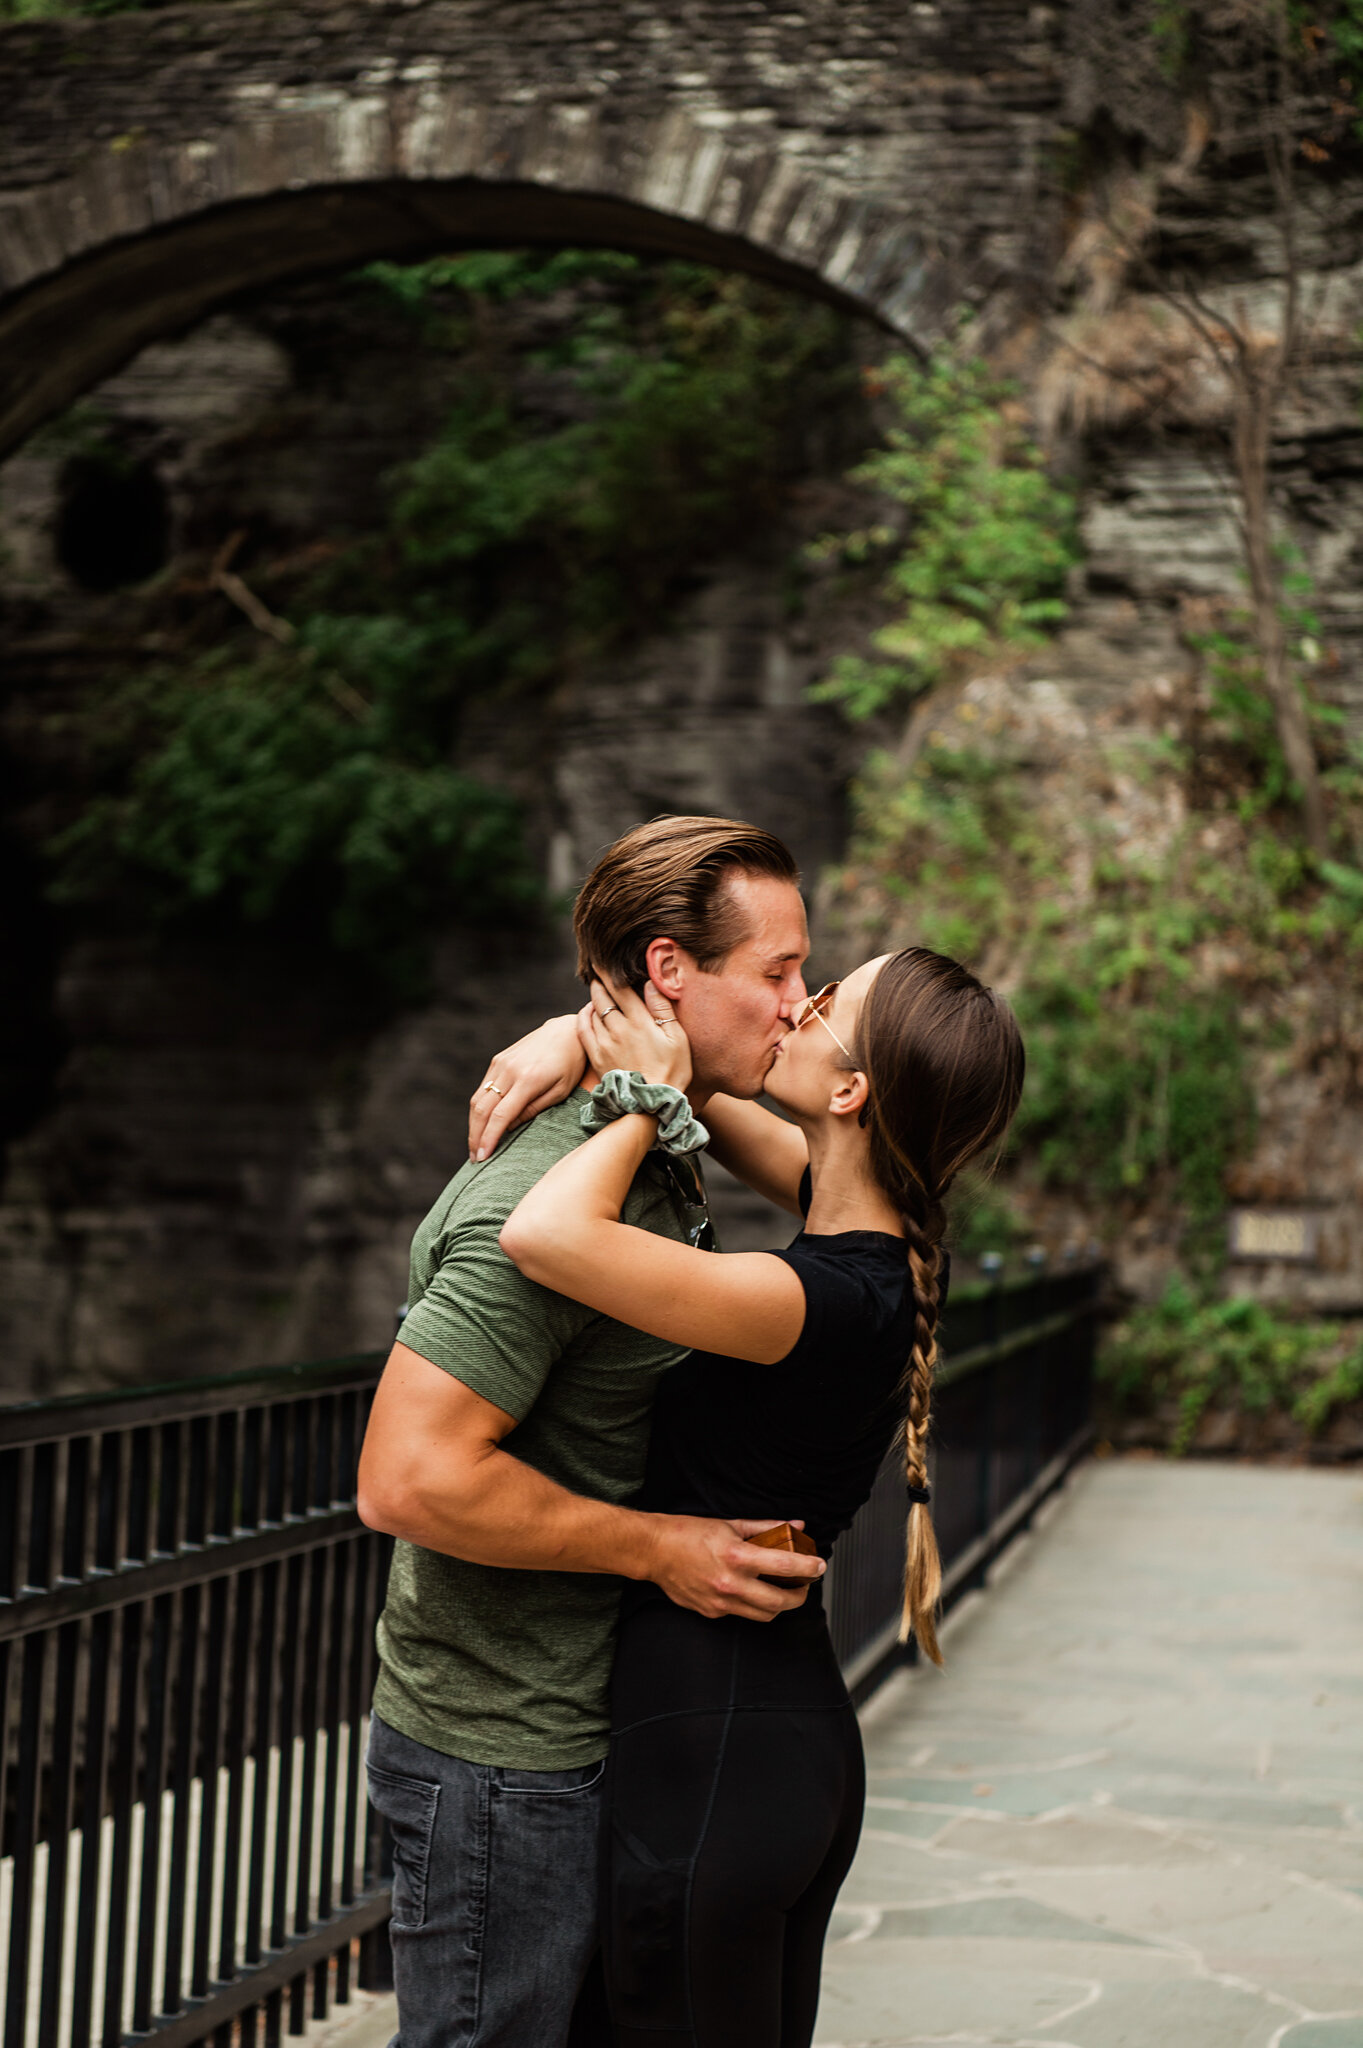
151,166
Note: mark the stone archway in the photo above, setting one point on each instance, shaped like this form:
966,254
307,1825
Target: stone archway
155,166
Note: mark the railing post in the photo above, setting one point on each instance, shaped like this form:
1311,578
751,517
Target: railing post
991,1266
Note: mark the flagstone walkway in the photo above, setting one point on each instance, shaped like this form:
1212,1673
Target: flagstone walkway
1130,1812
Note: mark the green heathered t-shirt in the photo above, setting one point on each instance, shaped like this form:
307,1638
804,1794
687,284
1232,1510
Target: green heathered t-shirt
494,1665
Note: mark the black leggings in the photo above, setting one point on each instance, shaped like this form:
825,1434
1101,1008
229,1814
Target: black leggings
733,1799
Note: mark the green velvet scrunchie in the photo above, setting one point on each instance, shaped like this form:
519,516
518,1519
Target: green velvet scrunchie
621,1094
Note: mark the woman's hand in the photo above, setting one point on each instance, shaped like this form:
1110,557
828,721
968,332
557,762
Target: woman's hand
640,1034
537,1071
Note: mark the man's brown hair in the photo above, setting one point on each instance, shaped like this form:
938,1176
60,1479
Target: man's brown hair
668,879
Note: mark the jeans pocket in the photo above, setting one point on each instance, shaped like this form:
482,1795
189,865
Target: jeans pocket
551,1784
408,1805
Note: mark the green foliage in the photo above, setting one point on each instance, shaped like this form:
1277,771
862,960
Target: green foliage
499,276
1133,964
1136,1074
978,537
1127,1094
318,783
1131,994
250,788
1259,785
1194,1352
1239,699
691,387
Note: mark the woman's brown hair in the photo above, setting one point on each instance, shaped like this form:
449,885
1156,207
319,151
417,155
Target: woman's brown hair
944,1060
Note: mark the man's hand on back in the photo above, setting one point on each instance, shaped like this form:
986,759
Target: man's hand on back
709,1567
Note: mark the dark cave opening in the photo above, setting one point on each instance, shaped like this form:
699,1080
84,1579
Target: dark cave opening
113,528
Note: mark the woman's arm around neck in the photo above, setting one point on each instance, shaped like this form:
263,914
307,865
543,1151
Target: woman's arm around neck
566,1234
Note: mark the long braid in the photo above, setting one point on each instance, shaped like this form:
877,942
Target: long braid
923,1224
944,1064
924,1218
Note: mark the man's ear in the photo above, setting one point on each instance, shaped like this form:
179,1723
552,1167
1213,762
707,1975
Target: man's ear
667,964
851,1095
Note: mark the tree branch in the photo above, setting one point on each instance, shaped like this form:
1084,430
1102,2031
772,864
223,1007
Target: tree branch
220,577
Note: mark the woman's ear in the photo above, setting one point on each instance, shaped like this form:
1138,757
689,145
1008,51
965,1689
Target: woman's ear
851,1095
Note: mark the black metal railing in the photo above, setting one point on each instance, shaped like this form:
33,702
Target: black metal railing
1010,1414
187,1607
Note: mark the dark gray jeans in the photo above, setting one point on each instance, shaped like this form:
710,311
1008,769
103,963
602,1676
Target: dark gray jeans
494,1894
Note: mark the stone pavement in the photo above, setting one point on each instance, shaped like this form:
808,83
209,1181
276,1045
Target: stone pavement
1130,1812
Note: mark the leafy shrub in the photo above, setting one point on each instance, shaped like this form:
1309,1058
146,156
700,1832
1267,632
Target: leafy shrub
252,791
1197,1353
978,537
1127,1095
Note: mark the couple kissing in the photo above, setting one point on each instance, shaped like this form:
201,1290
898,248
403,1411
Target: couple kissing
621,1770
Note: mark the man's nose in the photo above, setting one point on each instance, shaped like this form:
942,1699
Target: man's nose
795,995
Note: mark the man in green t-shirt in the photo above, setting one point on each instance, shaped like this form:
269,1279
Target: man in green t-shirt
509,1430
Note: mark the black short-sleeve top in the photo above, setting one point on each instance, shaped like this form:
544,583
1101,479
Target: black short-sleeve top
804,1438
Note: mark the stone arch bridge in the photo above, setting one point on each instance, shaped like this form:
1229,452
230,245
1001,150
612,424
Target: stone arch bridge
888,154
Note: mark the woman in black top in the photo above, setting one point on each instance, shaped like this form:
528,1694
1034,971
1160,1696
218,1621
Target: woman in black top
735,1781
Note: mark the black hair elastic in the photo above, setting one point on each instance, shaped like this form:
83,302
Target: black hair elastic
919,1495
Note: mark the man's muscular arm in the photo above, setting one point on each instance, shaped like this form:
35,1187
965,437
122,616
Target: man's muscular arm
433,1472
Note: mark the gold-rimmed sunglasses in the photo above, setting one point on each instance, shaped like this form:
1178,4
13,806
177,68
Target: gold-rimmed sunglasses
814,1006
